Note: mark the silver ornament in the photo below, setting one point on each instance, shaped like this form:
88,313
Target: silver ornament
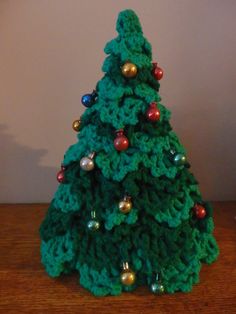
87,163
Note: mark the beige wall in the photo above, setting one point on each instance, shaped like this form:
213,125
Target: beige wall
51,52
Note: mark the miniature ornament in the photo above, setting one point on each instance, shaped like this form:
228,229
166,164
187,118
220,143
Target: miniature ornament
153,113
127,276
179,159
129,70
125,205
121,142
200,211
157,287
93,224
87,163
157,72
76,125
89,99
61,175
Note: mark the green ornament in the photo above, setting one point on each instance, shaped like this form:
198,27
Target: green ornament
179,159
157,288
93,224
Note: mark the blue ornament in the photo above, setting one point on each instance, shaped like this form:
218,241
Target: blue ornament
89,99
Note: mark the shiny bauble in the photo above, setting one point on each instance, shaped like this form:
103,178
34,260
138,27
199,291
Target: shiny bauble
89,99
153,113
93,225
61,176
200,211
121,142
129,70
76,125
179,159
157,72
127,277
125,205
157,288
87,163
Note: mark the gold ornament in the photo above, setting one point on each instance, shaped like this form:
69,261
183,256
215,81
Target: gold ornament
125,205
76,125
127,276
129,70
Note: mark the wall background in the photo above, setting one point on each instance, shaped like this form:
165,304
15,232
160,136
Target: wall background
51,53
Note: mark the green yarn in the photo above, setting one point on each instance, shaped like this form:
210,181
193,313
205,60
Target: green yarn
161,234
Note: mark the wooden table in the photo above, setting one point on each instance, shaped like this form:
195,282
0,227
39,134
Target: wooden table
25,287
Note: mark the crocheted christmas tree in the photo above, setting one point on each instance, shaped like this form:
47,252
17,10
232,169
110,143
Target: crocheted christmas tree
128,211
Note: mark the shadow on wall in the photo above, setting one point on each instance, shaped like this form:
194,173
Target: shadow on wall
23,179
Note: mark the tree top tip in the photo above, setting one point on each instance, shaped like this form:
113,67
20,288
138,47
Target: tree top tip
128,23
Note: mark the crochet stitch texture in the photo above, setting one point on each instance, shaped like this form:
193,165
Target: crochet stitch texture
160,235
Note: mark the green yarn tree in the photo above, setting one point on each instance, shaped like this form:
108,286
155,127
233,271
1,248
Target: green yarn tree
127,212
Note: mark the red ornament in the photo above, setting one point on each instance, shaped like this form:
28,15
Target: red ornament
153,113
200,211
157,71
121,142
61,176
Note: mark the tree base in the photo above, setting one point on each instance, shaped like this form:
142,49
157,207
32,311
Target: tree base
59,257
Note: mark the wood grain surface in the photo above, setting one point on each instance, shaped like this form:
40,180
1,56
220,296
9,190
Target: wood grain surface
25,287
